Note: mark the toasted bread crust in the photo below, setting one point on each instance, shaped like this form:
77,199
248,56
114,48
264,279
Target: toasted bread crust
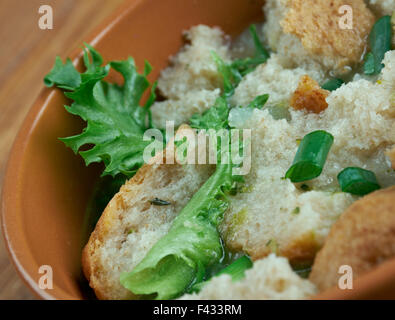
363,237
309,96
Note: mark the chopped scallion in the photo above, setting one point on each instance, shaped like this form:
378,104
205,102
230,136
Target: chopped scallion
310,157
332,84
357,181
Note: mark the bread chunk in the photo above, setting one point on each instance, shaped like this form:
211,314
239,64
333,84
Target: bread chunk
316,24
363,237
192,82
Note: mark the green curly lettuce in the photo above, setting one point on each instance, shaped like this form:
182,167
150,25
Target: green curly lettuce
115,120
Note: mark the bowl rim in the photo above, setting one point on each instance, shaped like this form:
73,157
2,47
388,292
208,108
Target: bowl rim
378,278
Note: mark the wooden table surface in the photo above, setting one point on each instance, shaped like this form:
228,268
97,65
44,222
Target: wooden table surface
27,54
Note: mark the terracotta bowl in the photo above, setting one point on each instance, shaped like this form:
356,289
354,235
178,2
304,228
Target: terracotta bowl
47,187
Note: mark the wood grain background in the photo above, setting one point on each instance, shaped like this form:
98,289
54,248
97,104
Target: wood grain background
27,53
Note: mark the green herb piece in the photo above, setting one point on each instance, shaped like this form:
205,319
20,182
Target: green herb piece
332,84
310,157
259,102
234,72
296,211
245,66
380,41
236,270
357,181
115,120
159,202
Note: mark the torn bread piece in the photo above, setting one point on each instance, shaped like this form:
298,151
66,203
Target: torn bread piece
131,224
317,25
192,82
307,33
362,238
271,278
193,67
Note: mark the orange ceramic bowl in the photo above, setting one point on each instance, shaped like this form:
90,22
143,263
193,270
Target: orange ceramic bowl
47,188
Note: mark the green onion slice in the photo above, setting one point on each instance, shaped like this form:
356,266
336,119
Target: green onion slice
236,270
310,157
357,181
380,41
332,84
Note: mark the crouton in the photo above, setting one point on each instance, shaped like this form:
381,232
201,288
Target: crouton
270,278
309,96
362,238
130,225
316,24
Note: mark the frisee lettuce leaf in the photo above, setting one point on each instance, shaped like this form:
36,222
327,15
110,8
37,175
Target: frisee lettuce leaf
214,118
115,119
